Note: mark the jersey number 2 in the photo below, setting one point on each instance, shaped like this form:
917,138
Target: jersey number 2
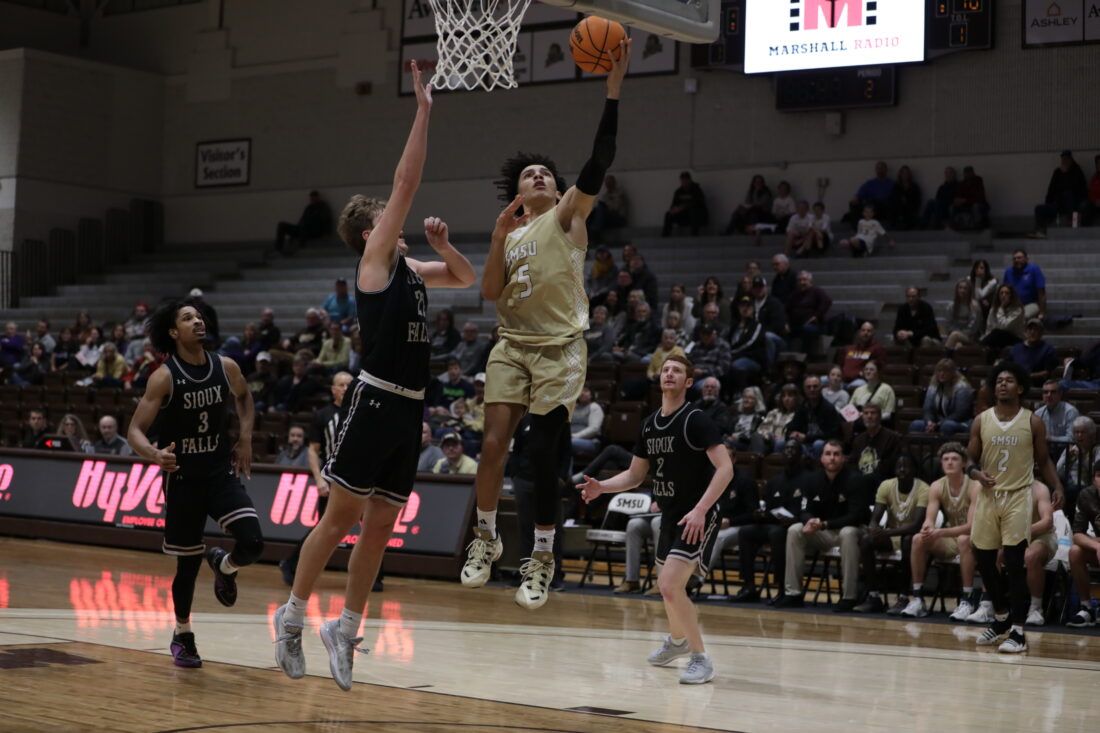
1002,465
523,277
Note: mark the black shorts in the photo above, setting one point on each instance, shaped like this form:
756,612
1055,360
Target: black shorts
671,542
187,504
378,445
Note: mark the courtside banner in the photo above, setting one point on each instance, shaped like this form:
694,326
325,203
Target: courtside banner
122,493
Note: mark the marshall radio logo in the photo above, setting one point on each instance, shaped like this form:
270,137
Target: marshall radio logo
810,15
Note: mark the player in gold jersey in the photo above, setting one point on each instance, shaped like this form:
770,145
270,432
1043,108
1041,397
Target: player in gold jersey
1008,445
535,273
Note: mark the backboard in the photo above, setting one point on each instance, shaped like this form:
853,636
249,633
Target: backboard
691,21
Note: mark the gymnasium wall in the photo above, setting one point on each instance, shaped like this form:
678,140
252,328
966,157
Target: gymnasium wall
283,73
11,105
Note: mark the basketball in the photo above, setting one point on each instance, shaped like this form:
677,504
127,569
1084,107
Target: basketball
593,40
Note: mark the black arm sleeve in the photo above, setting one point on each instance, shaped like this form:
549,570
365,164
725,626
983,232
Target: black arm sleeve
603,151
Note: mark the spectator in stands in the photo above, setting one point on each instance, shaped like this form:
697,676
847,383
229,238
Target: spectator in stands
773,430
735,510
710,354
448,387
250,347
472,351
948,402
905,200
832,514
772,315
680,302
853,358
42,336
292,392
822,231
1075,464
32,370
1067,193
640,530
711,292
135,324
72,428
1091,215
1029,283
792,368
756,208
624,286
1085,551
748,345
984,285
710,402
475,407
600,336
711,317
876,449
807,310
611,211
915,324
602,276
643,279
744,290
1005,324
875,192
35,430
335,350
672,323
445,337
970,209
938,211
314,223
430,454
666,348
65,350
689,207
111,368
13,346
110,442
1057,414
118,338
628,251
261,383
800,230
312,335
870,235
963,324
270,335
83,322
782,503
783,206
294,453
874,390
815,421
340,305
586,423
640,336
143,367
742,425
784,283
833,390
454,461
902,501
1035,354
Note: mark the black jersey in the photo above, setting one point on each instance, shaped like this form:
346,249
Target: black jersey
323,431
393,324
676,448
195,418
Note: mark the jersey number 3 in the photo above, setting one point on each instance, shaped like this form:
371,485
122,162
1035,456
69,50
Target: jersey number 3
523,277
204,421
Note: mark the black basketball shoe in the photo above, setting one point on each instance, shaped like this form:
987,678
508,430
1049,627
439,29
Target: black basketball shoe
225,584
184,651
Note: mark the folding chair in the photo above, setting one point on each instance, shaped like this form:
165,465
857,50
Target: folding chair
622,506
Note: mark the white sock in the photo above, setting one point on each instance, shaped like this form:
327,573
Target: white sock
1018,629
544,540
1036,603
968,590
295,610
918,589
183,627
226,566
487,521
349,623
678,642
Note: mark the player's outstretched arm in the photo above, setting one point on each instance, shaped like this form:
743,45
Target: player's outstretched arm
157,390
455,271
1042,460
578,201
246,416
629,479
382,242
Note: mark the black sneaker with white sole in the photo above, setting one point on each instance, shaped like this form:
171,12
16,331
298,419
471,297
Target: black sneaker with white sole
995,634
1084,618
225,584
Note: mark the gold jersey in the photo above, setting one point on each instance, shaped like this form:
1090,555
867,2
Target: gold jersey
899,509
955,508
543,302
1008,454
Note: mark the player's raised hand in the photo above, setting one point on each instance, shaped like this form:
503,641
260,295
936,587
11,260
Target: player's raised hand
436,231
590,488
618,69
693,523
242,458
508,221
423,91
166,457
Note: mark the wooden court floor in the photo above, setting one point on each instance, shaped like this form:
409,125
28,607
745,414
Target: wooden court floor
84,634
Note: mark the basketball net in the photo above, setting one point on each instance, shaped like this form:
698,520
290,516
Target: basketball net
477,40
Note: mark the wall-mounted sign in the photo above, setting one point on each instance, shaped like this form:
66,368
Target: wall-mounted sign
223,163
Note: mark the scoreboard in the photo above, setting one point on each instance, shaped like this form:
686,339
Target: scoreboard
960,25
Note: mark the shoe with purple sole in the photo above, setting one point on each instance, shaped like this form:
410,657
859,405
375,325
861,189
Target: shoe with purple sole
184,651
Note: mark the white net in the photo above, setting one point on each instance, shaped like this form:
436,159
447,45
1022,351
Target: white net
477,41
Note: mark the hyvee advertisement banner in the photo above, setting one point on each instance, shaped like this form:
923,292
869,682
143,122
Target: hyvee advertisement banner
223,163
790,35
129,495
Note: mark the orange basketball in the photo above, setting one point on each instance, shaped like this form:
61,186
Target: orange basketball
593,40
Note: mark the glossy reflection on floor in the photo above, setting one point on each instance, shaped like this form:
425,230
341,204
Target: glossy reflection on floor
84,633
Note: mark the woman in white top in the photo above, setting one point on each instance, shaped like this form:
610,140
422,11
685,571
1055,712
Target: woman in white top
875,391
1005,325
681,302
833,392
964,317
983,284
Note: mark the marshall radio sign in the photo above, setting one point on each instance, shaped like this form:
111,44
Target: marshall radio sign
123,494
791,35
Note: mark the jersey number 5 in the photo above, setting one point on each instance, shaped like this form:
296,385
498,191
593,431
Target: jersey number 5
523,277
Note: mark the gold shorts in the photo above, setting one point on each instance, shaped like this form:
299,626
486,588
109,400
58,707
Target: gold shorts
1001,518
538,377
1049,541
946,548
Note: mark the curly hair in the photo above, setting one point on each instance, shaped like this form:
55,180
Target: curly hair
163,321
508,183
1023,378
360,214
